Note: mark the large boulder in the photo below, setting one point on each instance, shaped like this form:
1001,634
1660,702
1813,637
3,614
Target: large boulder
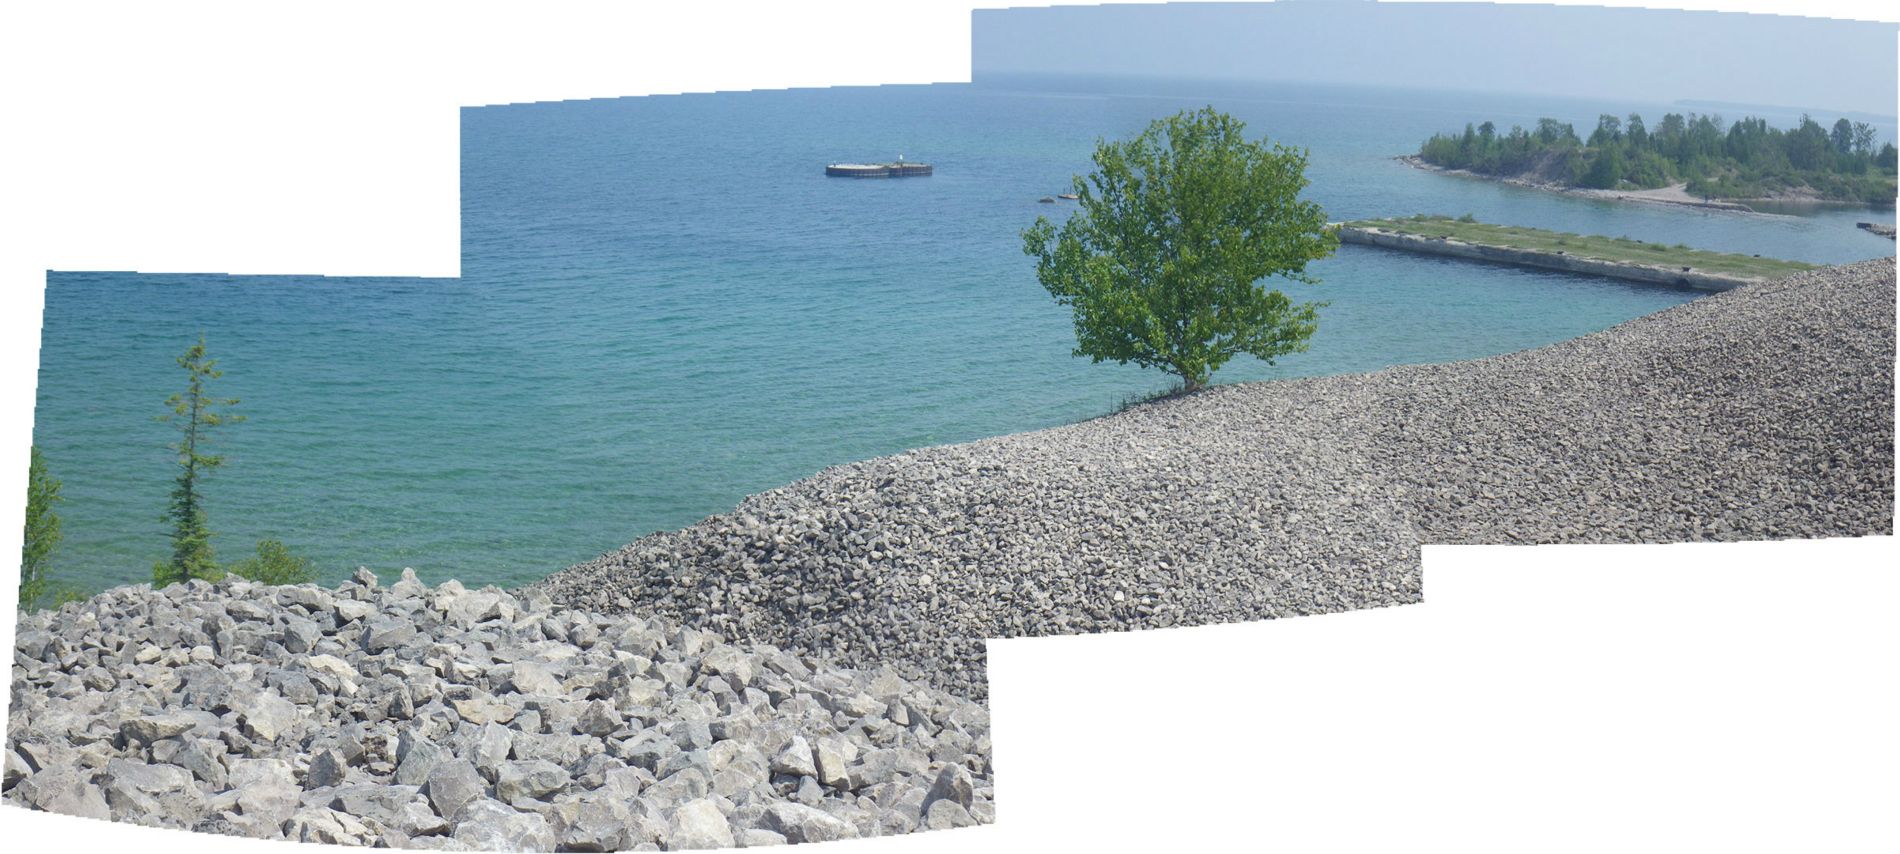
68,791
699,824
147,729
491,825
453,784
531,780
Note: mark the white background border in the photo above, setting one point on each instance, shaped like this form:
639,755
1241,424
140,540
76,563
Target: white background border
1707,697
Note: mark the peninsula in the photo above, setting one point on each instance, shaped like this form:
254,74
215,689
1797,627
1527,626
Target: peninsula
1692,159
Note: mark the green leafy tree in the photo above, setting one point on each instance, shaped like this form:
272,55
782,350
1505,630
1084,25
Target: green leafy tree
1807,145
1635,132
1609,130
1863,138
1556,133
275,564
1176,228
42,534
1606,170
195,414
1842,136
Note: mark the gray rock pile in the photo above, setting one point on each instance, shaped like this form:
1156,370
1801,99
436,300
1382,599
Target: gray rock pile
457,719
1763,412
1215,508
449,718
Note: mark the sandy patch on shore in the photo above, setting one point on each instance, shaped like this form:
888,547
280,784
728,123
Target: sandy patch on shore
1674,194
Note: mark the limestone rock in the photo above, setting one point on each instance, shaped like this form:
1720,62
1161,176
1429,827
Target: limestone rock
317,824
796,759
268,717
491,825
453,784
800,823
531,780
151,728
700,824
533,677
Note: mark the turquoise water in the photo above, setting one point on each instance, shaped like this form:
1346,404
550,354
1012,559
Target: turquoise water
666,306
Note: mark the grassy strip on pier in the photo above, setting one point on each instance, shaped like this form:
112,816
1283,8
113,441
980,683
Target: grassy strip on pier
1617,249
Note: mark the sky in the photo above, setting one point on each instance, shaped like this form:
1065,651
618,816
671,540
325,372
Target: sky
1652,56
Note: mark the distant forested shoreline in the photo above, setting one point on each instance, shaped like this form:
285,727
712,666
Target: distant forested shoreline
1745,160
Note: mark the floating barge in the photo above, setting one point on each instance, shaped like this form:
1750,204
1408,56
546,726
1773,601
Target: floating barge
900,169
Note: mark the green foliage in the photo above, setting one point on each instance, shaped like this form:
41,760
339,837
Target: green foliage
1606,168
1647,169
1468,217
1174,230
1747,159
195,414
41,536
274,564
1516,152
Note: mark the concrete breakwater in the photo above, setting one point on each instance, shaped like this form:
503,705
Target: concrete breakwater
1763,412
1450,247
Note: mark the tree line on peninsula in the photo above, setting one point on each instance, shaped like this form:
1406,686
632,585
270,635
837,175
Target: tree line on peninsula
1748,159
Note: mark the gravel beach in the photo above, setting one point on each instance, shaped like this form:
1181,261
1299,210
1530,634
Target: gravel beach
1761,413
1764,412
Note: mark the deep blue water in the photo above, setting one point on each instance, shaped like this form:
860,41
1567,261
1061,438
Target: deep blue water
666,306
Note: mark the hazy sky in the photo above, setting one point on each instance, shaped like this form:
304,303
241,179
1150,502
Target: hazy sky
1652,56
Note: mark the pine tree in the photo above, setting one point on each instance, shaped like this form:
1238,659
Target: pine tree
194,413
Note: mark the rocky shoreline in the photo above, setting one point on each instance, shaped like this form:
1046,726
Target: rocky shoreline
810,666
453,719
1762,412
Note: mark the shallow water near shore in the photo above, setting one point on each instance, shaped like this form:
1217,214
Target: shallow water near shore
666,305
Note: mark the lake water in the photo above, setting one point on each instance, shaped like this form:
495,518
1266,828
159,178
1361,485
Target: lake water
666,305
